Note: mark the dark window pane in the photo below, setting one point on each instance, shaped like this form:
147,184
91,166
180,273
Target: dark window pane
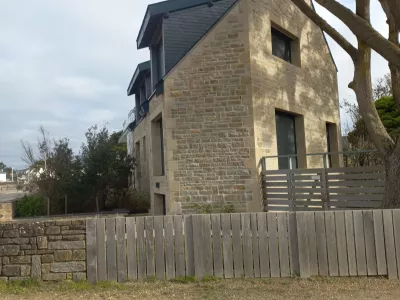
160,60
286,138
281,45
329,142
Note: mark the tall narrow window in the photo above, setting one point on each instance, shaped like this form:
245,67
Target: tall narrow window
144,149
138,165
281,45
332,145
158,147
286,139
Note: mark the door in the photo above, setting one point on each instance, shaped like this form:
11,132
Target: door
286,139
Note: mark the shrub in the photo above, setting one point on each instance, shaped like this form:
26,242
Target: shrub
137,202
30,206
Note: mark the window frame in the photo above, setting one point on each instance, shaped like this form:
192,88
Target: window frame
284,38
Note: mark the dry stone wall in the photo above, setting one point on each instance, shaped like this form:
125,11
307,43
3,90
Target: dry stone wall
48,251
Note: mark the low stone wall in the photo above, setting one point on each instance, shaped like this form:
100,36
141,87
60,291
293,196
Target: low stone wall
47,250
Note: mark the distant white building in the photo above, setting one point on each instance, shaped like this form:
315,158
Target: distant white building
3,176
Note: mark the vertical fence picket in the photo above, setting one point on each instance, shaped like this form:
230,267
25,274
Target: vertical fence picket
122,271
351,246
293,245
304,255
217,246
169,247
179,247
207,246
237,246
263,245
91,250
159,246
360,243
131,248
198,246
331,243
370,243
150,269
321,243
111,250
189,246
341,243
396,225
227,245
283,244
312,243
379,242
390,246
247,246
101,250
256,252
141,248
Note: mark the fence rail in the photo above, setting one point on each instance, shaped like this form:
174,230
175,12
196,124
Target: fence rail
323,189
287,244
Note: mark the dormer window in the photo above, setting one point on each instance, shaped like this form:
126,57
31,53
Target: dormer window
157,62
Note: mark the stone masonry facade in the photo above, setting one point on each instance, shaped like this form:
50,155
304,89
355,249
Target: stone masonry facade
48,251
219,104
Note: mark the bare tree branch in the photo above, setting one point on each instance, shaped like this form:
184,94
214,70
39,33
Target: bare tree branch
332,32
392,11
364,31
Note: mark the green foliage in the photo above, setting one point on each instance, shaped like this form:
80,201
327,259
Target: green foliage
96,179
209,208
137,202
389,114
30,206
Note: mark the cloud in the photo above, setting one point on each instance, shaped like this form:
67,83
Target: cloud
66,65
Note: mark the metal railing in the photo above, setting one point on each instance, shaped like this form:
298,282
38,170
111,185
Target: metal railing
293,158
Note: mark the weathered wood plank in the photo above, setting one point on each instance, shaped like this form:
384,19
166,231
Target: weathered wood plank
141,248
198,246
379,242
356,170
189,246
370,243
122,271
101,250
237,246
111,250
227,245
263,244
312,243
273,244
355,204
360,243
321,243
131,248
352,197
293,245
247,246
283,244
341,243
390,245
91,250
151,268
331,243
360,190
169,247
396,226
360,176
351,247
217,246
159,246
304,256
207,246
179,246
256,252
356,183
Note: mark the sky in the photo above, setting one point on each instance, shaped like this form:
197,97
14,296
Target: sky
66,65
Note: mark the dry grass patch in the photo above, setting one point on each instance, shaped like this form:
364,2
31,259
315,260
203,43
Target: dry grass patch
315,288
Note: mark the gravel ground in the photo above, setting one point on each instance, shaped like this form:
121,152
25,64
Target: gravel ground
316,288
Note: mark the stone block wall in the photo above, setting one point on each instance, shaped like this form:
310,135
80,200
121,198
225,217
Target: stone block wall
48,251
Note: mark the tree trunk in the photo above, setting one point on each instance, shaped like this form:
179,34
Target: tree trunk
392,190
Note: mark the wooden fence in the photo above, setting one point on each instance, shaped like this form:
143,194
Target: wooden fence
287,244
323,189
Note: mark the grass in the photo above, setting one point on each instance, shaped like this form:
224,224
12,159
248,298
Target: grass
209,288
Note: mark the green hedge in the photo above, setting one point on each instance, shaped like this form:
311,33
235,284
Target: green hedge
30,206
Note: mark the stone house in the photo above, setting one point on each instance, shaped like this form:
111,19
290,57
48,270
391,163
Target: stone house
228,82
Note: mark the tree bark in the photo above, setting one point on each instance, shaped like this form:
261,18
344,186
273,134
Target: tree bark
364,31
392,188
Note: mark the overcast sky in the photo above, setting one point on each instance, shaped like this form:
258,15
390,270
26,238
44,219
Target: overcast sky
66,65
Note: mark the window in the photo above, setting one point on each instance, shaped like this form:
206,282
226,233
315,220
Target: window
158,147
144,149
138,165
332,145
286,139
157,62
281,45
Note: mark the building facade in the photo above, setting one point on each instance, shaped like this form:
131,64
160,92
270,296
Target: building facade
229,82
